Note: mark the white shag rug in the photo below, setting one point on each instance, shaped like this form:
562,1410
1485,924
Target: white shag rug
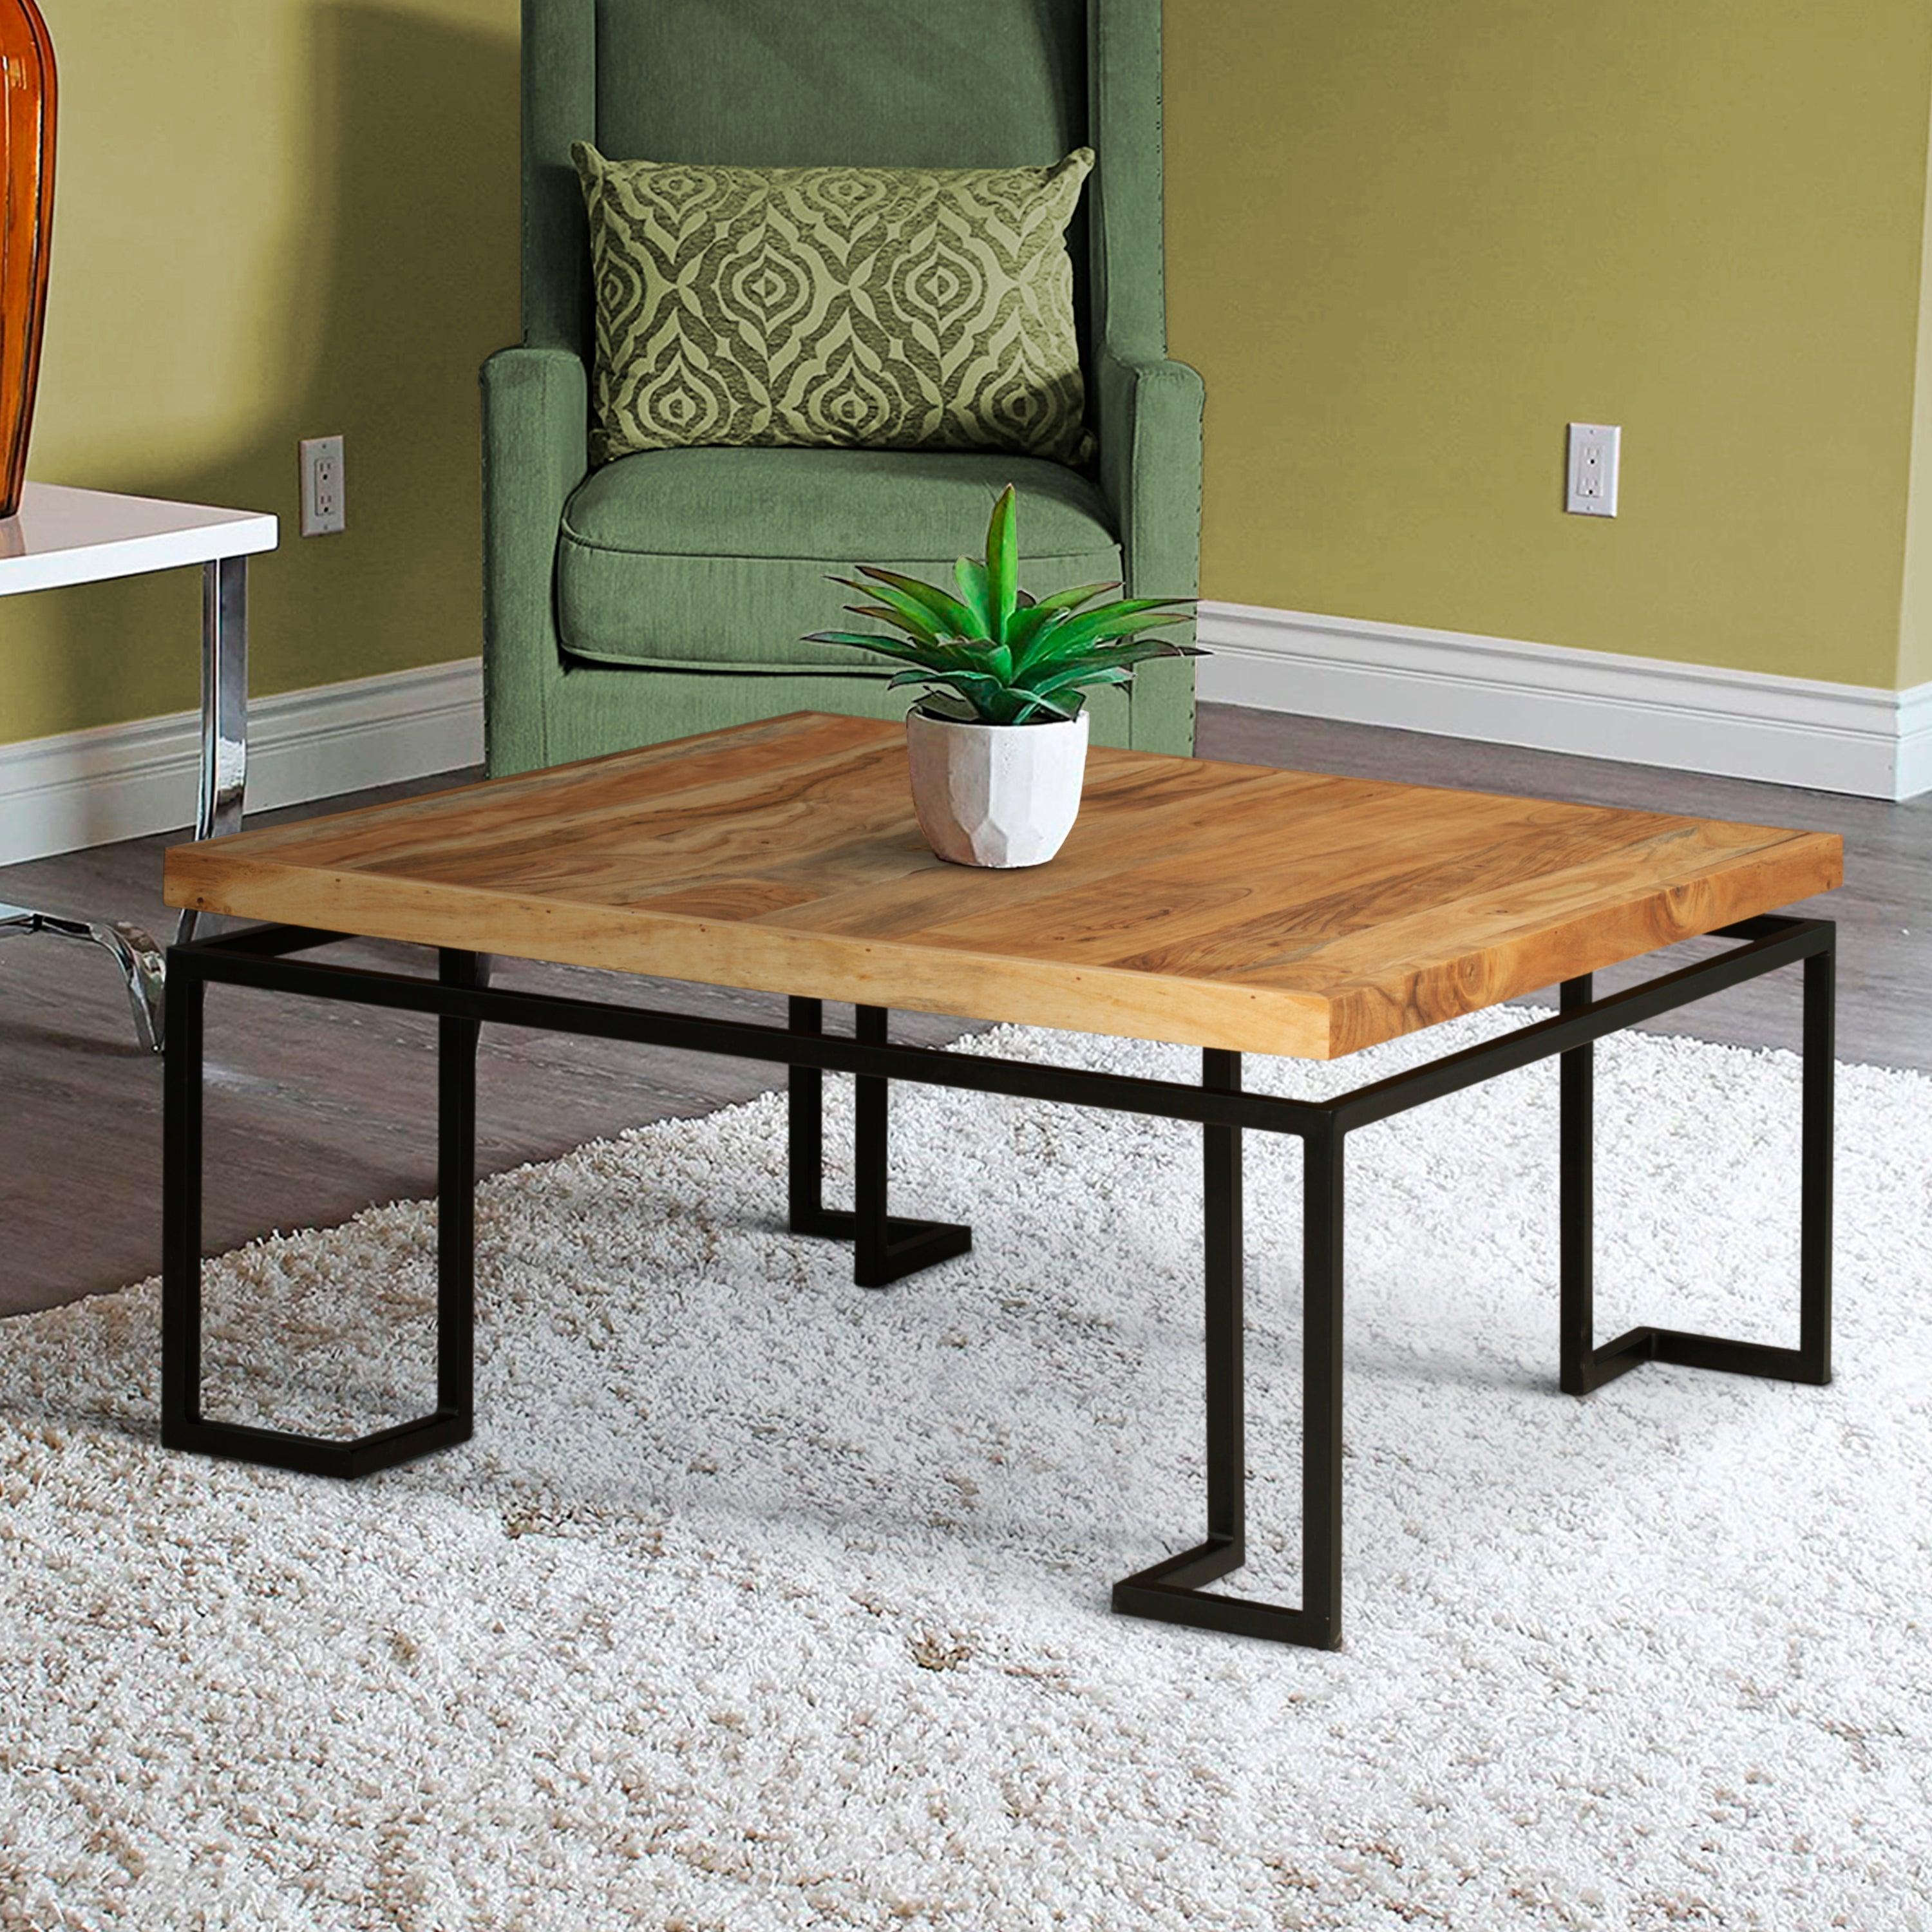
761,1601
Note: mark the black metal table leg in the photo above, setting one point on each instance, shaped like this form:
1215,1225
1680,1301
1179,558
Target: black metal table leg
1585,1367
1818,1133
180,1207
456,1193
1576,1201
1324,1196
886,1247
1172,1592
1224,1266
183,1424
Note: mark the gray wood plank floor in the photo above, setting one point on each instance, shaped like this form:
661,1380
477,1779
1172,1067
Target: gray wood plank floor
314,1111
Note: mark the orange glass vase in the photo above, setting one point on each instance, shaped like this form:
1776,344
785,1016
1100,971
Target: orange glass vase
27,100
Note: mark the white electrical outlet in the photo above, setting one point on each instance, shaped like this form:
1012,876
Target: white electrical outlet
1593,451
325,503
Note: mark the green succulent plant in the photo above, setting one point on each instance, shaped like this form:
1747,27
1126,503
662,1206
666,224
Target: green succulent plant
1006,657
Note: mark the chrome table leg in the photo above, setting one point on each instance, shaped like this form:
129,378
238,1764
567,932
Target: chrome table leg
224,773
141,959
224,706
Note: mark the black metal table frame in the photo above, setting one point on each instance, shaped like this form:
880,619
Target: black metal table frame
888,1248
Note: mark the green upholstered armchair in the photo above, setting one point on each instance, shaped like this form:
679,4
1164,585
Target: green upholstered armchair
668,592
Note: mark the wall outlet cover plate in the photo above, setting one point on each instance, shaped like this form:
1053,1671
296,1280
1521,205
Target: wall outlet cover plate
1592,487
324,504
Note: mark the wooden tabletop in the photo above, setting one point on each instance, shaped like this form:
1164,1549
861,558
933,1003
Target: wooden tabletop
1215,905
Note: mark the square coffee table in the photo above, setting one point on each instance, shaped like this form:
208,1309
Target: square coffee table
1235,908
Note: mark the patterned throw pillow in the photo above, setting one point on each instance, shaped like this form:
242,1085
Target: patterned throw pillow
874,308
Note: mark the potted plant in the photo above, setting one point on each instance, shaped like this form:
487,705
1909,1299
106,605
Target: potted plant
997,744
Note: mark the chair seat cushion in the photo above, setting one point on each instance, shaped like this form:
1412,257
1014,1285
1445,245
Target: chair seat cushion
696,558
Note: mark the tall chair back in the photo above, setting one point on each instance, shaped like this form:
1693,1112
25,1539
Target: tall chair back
870,83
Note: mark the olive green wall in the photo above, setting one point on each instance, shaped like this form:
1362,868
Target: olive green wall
274,219
1915,654
1407,243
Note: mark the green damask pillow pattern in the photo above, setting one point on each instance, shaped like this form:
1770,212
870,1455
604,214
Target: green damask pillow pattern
872,308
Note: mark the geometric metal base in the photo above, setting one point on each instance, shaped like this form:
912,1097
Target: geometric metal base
1615,1358
314,1455
1171,1593
1583,1366
909,1245
143,964
183,1424
888,1247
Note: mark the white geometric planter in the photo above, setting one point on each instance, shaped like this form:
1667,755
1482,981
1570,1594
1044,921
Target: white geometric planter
1000,795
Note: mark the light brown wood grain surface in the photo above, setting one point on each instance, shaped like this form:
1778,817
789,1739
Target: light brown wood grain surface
1216,904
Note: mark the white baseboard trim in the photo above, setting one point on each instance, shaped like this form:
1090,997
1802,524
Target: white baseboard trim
1914,775
1552,698
124,781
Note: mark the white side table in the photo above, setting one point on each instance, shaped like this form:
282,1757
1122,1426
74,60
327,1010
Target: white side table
64,536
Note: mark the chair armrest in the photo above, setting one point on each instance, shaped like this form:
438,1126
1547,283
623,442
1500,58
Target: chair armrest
1149,412
536,452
